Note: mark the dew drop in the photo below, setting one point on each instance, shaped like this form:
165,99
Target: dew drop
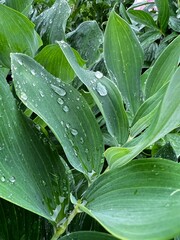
19,61
98,74
74,132
3,179
65,109
23,96
60,101
60,91
81,140
12,179
33,72
41,93
67,125
101,89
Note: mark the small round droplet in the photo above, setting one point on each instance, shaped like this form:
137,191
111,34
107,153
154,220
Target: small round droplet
12,179
23,96
3,179
98,74
74,132
60,101
101,89
65,109
33,72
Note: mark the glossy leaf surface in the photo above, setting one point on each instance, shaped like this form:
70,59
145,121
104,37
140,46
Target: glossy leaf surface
138,200
124,58
17,34
85,235
64,110
31,174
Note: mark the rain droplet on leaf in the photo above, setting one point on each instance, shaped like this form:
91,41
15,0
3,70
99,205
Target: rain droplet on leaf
23,96
60,101
65,109
3,179
74,132
98,74
12,179
101,89
60,91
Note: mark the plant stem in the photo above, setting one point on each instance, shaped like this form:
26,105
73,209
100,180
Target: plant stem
61,229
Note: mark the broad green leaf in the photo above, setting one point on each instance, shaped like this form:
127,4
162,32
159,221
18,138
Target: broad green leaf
51,23
146,112
138,201
3,72
64,110
163,14
85,235
164,68
19,224
86,39
19,5
142,17
166,119
124,58
174,139
54,61
105,94
32,176
17,34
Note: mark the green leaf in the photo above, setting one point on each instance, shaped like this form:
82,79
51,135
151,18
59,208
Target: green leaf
124,58
17,34
20,223
164,68
139,200
174,23
142,17
64,110
149,37
85,235
163,14
105,94
174,139
54,61
19,5
51,23
32,176
166,119
86,39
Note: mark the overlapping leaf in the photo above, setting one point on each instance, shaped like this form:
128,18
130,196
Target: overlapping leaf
163,14
124,58
19,5
106,96
31,174
85,235
138,201
64,110
17,34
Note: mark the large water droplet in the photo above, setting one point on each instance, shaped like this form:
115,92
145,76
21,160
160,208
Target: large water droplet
65,109
98,74
60,91
12,179
101,89
23,96
74,132
60,101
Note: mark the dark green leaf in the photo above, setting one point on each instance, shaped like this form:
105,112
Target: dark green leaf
51,23
85,235
174,23
138,201
17,34
64,110
163,14
31,174
106,96
124,58
174,139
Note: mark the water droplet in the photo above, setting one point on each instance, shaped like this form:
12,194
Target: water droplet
41,93
86,150
81,140
98,74
50,21
23,96
12,179
101,89
33,72
74,132
19,61
60,101
67,125
65,109
60,91
62,123
3,179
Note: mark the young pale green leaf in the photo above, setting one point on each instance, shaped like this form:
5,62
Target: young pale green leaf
124,58
51,23
163,14
105,94
17,34
64,110
32,176
86,39
138,201
54,61
142,17
164,68
85,235
19,5
166,118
